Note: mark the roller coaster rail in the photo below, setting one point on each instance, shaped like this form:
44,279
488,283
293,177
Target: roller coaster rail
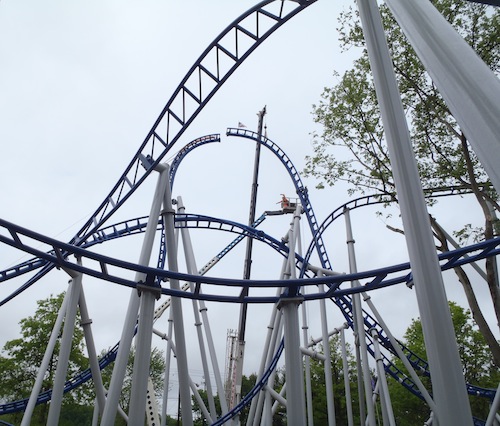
418,363
209,72
216,64
203,222
379,278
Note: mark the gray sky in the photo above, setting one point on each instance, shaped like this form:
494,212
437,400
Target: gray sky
81,84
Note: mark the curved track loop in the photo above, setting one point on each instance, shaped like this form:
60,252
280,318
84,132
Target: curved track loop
341,298
137,225
207,75
174,166
371,200
215,65
344,303
100,265
120,230
117,230
299,188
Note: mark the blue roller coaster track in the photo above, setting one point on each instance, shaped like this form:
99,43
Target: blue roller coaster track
212,69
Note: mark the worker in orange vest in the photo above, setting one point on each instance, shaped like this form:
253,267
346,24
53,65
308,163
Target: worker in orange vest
284,202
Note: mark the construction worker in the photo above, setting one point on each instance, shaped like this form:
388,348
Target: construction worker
285,203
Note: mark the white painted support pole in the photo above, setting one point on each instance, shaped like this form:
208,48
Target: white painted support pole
470,89
192,269
65,350
273,332
26,421
92,353
359,324
305,340
166,379
296,410
115,387
296,406
399,352
176,306
494,408
307,368
385,398
448,383
95,413
142,360
277,403
347,383
330,406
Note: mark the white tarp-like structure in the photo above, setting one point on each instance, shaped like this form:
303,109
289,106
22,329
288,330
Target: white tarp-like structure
472,92
470,89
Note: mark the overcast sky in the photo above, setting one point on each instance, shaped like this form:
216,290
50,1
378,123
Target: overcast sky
81,84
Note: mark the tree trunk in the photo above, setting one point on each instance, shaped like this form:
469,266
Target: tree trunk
488,229
478,316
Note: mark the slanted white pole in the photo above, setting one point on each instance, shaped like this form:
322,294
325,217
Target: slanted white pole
347,383
270,344
448,384
65,350
191,269
470,89
296,405
176,306
92,353
115,387
385,398
359,323
35,391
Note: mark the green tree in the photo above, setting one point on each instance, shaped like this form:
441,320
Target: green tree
351,146
199,420
156,372
247,384
22,357
477,362
320,414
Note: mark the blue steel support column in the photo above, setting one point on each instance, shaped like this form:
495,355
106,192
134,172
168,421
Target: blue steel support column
450,396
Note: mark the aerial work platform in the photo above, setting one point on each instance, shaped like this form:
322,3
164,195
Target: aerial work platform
287,206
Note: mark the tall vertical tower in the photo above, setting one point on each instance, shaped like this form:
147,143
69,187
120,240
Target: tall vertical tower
230,370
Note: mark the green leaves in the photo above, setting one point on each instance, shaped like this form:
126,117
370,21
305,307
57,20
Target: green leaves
21,358
476,360
351,146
